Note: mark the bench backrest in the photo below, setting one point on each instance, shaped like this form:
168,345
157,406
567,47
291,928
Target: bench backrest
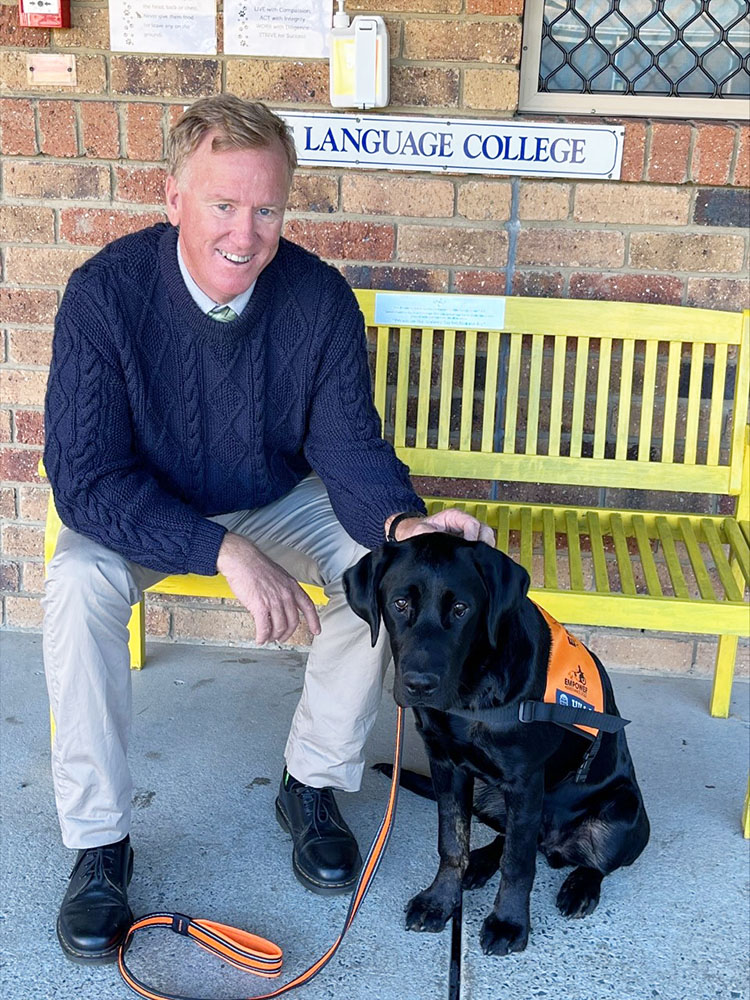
593,393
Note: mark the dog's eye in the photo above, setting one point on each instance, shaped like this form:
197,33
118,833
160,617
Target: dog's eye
401,604
460,609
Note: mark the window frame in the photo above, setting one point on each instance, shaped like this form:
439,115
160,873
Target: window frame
531,99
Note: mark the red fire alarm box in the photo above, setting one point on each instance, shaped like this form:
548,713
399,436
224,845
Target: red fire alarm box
44,13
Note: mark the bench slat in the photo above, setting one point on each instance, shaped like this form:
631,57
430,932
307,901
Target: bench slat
549,540
535,380
696,560
621,553
381,371
647,557
694,403
503,529
579,397
671,558
490,394
511,404
625,399
402,388
602,397
721,562
558,383
423,398
739,546
716,416
647,401
574,551
527,540
446,390
670,402
467,389
601,577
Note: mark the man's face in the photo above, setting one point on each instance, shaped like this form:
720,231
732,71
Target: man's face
230,210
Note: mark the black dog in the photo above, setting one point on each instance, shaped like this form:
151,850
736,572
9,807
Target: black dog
471,652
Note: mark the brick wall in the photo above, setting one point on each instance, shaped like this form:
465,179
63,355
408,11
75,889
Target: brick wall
83,165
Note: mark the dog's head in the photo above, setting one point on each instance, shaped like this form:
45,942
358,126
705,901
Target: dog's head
441,600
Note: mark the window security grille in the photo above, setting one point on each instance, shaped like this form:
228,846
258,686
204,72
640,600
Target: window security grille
612,50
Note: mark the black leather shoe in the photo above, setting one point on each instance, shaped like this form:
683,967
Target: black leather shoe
94,915
326,858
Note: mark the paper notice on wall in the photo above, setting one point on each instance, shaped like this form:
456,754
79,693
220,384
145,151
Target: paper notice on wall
163,26
280,28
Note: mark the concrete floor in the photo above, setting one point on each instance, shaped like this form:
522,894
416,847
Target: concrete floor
210,725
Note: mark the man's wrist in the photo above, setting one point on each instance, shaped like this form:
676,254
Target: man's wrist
393,522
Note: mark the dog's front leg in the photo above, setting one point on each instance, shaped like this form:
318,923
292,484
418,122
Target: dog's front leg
431,909
506,929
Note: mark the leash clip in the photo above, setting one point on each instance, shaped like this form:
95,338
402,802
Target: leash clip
181,924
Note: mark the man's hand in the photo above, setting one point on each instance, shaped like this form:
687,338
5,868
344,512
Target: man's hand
269,593
452,520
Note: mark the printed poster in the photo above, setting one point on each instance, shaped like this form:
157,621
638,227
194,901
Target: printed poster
163,26
292,28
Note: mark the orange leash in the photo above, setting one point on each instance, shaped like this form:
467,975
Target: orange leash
248,951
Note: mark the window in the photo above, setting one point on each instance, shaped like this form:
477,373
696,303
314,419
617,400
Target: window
671,58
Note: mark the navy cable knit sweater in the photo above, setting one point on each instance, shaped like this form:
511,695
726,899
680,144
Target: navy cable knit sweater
158,417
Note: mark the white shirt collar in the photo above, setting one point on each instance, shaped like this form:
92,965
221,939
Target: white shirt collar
205,302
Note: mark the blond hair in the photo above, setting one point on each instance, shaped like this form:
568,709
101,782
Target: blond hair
238,124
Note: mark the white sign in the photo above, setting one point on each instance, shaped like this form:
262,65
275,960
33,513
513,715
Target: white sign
470,145
452,312
176,26
280,28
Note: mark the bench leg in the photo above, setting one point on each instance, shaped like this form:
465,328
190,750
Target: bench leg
746,813
723,675
137,636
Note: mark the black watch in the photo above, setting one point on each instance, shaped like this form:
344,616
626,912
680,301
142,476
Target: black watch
391,536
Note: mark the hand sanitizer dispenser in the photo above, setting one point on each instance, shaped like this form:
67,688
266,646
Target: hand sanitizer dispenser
359,61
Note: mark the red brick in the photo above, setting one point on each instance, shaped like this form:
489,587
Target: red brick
19,465
17,132
144,130
742,164
57,128
718,293
164,77
143,185
633,151
100,129
627,288
14,36
9,577
97,226
343,240
7,502
403,279
17,305
538,284
42,266
5,431
497,8
29,427
712,156
30,347
668,155
44,179
479,282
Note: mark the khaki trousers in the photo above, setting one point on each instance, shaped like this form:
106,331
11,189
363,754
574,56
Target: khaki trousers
88,596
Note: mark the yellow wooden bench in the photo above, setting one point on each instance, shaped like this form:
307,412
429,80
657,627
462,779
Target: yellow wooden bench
606,396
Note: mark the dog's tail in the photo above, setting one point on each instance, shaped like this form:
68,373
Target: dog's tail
420,784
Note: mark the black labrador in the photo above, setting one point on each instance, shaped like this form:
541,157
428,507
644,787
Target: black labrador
471,651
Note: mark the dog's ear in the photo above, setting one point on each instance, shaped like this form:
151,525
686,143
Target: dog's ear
361,584
507,584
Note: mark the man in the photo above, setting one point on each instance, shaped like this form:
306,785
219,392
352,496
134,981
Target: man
209,409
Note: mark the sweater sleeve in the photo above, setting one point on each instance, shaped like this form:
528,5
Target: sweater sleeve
366,481
102,488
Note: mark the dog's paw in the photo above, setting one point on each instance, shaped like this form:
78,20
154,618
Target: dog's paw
579,893
483,863
501,937
426,912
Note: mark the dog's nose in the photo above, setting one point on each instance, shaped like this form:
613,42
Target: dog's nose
418,685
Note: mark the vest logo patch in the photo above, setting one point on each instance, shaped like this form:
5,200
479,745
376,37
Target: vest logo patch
576,681
564,698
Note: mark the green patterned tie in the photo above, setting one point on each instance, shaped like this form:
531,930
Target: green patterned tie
222,314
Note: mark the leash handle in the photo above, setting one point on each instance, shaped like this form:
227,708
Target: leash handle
249,952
